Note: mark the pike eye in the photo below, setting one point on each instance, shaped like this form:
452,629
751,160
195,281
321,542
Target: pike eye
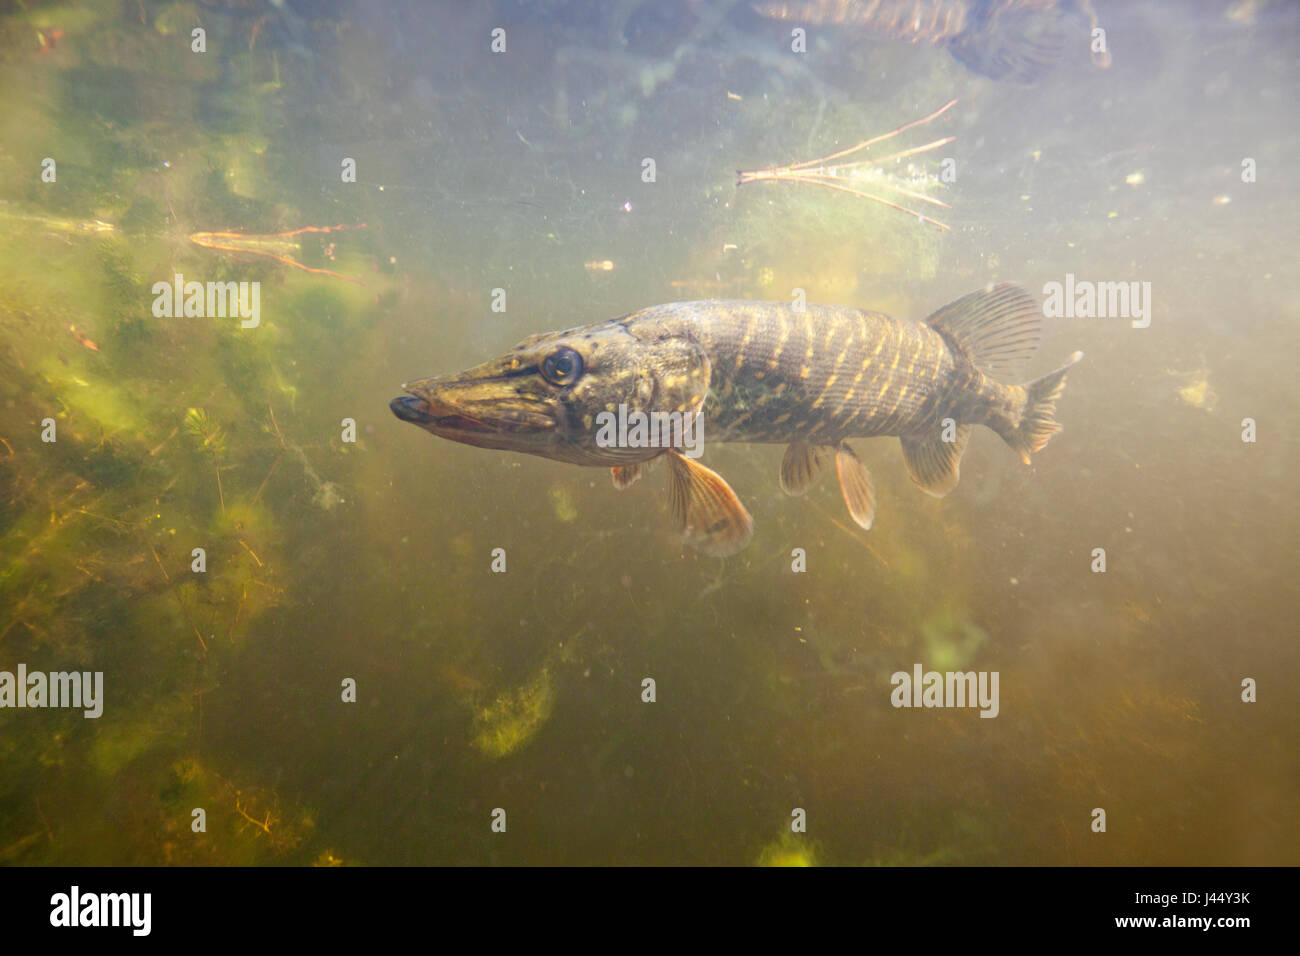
562,367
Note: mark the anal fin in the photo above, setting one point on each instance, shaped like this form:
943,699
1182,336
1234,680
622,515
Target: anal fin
799,467
935,464
705,509
855,485
625,475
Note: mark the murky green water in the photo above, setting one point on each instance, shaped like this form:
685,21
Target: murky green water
328,559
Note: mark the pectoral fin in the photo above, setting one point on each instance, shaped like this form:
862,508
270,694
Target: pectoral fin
799,467
705,509
935,464
855,485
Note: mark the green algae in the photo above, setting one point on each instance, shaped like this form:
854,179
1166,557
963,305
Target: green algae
790,849
951,640
514,717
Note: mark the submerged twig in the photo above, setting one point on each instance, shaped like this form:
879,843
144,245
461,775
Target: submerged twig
252,552
179,600
264,825
273,245
269,472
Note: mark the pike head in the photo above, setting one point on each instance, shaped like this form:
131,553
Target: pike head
546,395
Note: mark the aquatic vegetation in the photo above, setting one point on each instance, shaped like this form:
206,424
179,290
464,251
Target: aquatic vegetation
119,742
1197,392
951,640
790,849
562,501
245,823
96,538
210,437
246,567
98,528
177,17
514,717
93,407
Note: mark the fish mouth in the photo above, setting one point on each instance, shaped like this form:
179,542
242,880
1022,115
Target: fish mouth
418,412
475,424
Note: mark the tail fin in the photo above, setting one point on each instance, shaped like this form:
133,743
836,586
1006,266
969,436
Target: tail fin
1010,42
1036,424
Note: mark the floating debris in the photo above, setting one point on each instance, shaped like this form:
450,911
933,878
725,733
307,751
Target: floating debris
868,173
278,246
85,342
57,224
1199,395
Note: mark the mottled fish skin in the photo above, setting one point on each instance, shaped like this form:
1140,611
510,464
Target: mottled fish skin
932,20
821,374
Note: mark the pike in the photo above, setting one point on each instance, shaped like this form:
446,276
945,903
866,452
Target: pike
766,372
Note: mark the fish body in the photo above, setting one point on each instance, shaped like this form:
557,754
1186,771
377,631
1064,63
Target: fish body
935,21
763,372
1017,40
821,374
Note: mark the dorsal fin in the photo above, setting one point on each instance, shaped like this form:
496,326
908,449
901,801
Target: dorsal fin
997,328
